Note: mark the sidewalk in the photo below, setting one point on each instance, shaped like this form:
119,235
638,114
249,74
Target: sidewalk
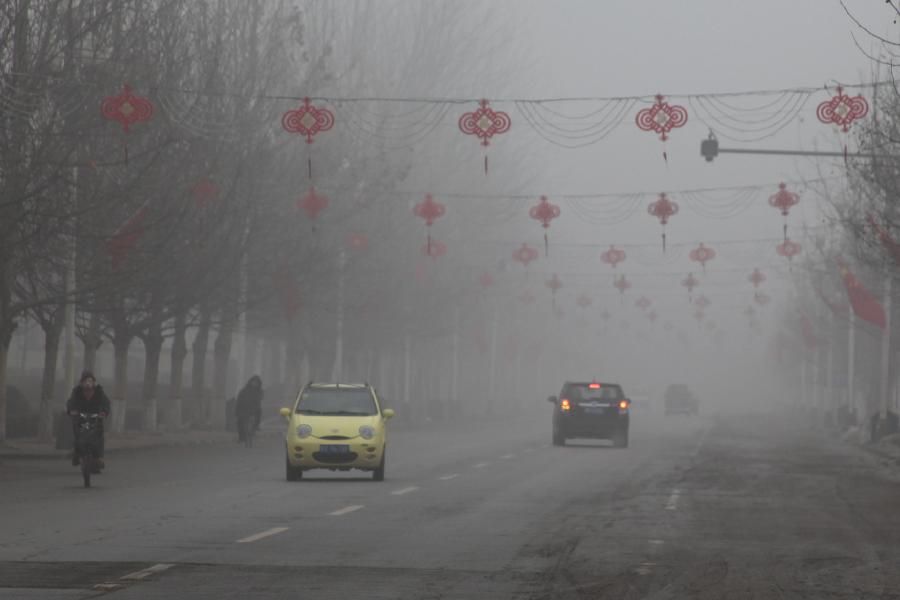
31,448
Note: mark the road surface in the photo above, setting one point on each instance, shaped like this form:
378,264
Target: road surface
737,507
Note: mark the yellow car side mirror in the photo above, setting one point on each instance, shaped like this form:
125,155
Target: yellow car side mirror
285,412
388,413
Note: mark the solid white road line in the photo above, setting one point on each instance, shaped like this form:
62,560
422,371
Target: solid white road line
346,509
448,477
672,504
405,490
262,534
481,465
138,575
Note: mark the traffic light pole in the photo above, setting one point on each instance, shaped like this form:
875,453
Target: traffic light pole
709,149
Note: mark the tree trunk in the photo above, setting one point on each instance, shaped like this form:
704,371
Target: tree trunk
222,353
152,349
52,334
4,355
176,381
199,409
120,382
92,342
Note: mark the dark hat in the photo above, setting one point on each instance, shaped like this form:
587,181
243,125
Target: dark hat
86,374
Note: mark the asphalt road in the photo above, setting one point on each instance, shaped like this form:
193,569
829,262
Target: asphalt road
733,507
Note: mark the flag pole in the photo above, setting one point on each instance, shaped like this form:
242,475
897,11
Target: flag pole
885,362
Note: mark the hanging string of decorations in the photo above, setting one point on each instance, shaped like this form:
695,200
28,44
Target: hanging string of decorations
623,285
613,256
312,204
435,249
788,249
308,120
841,110
754,119
661,118
127,109
525,255
643,303
429,210
575,130
757,277
555,284
690,282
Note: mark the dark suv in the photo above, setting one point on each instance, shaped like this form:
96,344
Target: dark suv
679,400
590,410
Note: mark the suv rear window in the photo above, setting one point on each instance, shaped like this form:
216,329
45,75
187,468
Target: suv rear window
583,391
336,401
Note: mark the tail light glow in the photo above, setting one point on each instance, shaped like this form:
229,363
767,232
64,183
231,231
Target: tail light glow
623,405
564,404
594,386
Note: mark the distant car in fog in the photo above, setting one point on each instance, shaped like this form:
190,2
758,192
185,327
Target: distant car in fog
336,426
590,410
680,400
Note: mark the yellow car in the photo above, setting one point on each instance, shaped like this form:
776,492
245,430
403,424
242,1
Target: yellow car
336,426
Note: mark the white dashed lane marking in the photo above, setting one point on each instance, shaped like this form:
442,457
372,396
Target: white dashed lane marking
345,510
448,477
481,465
672,504
138,575
262,534
507,456
405,490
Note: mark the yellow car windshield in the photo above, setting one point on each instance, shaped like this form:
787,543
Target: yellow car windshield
336,401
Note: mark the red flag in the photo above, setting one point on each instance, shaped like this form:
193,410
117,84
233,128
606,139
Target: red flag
886,239
126,237
864,304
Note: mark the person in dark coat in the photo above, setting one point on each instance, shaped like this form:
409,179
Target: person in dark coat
248,405
87,397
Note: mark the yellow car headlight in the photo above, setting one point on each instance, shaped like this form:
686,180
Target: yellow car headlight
367,432
304,431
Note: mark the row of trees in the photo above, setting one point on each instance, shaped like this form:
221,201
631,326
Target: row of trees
184,231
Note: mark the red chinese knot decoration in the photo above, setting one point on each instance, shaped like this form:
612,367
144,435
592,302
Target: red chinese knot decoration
613,256
643,303
783,200
312,204
204,191
702,255
788,249
126,108
701,302
435,250
429,210
662,209
690,282
652,316
661,118
525,254
761,298
308,120
484,123
554,283
356,242
583,301
622,284
842,110
544,211
486,280
756,277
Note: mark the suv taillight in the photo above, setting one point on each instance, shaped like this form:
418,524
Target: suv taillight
565,405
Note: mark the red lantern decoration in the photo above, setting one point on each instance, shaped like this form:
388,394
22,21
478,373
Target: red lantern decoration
622,284
788,249
486,280
583,301
356,242
555,285
842,110
127,109
702,255
204,192
429,210
312,204
308,120
661,118
701,302
484,123
525,255
783,200
435,250
613,256
643,303
544,212
756,277
761,298
690,282
662,209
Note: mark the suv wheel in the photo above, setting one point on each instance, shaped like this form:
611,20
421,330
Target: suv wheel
620,440
558,439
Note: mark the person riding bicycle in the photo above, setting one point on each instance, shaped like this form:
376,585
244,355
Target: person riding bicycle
248,406
87,397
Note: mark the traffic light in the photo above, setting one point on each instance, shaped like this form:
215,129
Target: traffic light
709,147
